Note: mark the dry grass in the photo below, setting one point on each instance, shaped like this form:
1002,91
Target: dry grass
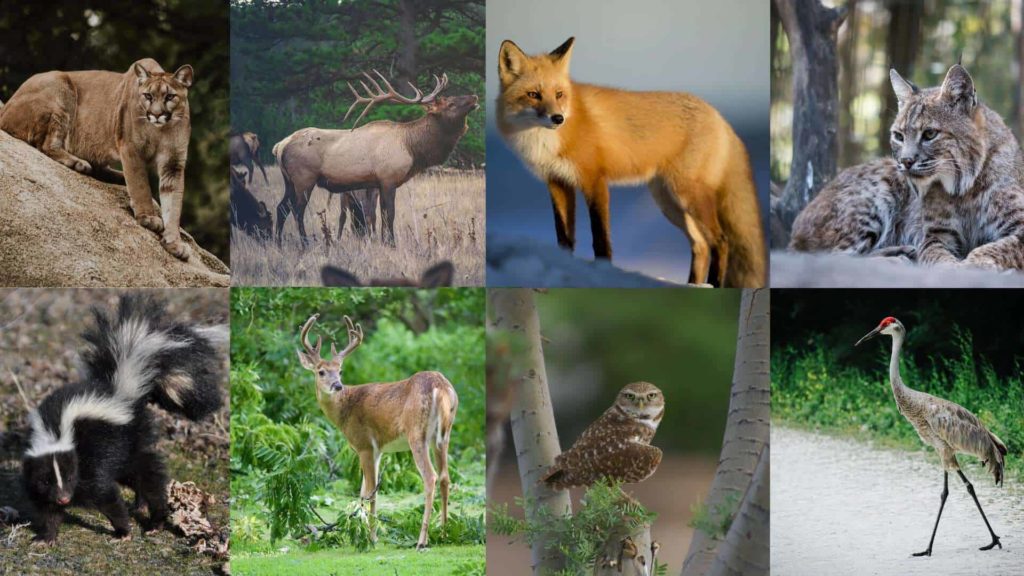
439,216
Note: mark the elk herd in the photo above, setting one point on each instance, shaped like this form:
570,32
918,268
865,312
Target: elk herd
363,165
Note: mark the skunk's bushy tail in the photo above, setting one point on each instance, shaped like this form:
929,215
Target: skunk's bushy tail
141,355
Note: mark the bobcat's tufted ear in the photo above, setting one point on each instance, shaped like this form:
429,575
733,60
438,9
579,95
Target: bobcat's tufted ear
903,89
140,72
184,75
958,89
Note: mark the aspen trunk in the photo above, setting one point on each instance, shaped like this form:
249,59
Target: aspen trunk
533,421
746,432
744,552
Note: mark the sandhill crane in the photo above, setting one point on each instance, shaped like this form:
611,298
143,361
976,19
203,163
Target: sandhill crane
943,425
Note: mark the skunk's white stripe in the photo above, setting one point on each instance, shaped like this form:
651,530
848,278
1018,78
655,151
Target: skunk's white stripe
107,409
134,346
175,384
218,334
56,471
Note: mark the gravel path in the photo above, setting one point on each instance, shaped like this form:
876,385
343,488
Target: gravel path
842,506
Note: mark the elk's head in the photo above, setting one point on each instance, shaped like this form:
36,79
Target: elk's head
328,372
448,108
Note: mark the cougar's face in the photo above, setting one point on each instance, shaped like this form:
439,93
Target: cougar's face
163,97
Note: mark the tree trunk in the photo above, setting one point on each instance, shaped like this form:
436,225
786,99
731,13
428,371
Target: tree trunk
901,45
811,29
1017,23
849,72
533,421
746,435
408,46
744,552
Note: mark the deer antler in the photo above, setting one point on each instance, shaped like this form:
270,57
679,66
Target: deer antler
355,338
312,351
379,94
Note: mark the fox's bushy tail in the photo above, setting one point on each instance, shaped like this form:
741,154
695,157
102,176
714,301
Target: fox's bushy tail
747,265
142,356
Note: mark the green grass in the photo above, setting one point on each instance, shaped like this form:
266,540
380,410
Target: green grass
811,390
385,560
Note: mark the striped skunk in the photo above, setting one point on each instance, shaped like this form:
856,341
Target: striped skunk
90,436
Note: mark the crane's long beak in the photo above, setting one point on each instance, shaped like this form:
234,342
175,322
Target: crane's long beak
869,335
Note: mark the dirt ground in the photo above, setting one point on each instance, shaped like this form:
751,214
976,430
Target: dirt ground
841,506
679,483
39,346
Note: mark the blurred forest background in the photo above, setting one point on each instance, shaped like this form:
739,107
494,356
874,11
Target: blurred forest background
290,464
962,345
921,40
291,61
111,35
598,340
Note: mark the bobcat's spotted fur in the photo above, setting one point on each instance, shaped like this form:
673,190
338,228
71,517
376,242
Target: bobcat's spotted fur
953,191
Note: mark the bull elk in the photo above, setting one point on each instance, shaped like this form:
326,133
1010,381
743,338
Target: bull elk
382,154
438,275
415,414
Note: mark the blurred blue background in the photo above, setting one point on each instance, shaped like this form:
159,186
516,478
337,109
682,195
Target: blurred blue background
715,50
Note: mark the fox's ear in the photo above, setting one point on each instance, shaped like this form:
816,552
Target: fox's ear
563,53
511,60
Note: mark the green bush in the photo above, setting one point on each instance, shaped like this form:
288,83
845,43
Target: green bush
810,388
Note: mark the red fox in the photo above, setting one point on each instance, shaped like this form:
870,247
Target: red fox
582,136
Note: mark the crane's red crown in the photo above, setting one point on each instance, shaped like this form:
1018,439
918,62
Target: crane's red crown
886,321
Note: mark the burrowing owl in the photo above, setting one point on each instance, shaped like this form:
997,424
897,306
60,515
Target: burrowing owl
617,446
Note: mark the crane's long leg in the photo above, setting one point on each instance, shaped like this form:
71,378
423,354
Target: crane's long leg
970,490
942,504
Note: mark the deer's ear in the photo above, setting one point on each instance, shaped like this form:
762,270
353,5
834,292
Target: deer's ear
306,361
438,275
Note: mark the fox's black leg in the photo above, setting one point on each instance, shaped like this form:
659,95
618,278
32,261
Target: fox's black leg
942,504
970,490
600,219
563,203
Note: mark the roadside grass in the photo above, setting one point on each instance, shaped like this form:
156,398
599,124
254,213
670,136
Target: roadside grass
811,390
439,216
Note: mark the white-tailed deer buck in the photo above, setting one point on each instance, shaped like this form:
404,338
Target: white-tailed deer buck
413,414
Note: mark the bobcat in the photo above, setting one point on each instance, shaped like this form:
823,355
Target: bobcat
953,191
90,120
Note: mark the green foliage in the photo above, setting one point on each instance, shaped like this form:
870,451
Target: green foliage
111,35
605,510
292,61
715,523
286,457
477,567
810,387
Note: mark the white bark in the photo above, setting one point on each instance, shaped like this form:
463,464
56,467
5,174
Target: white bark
744,552
747,428
533,421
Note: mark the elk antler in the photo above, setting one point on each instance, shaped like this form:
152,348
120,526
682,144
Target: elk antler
355,338
311,351
390,94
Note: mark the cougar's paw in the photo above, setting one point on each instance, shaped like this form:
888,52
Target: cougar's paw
151,222
81,166
178,249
